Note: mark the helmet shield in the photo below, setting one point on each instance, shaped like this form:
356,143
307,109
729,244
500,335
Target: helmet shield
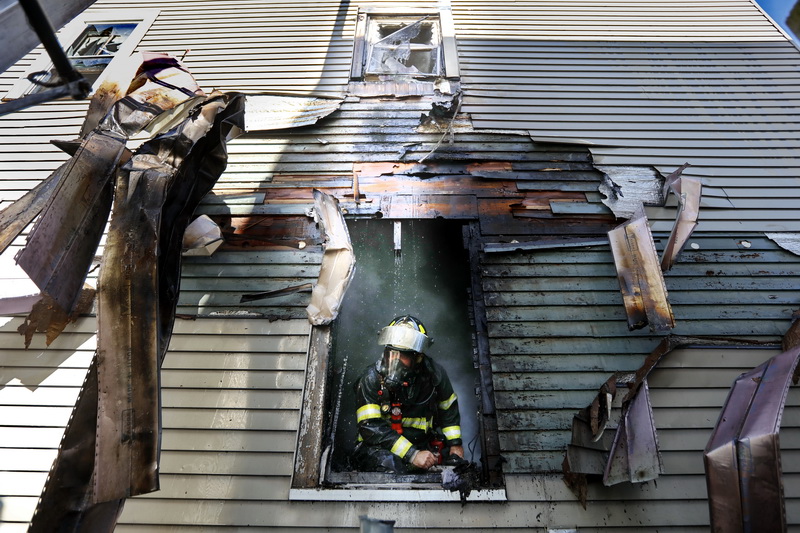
404,338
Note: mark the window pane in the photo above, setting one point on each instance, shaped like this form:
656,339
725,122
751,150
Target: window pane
403,60
403,46
100,40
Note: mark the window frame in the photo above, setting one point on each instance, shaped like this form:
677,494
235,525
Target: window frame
143,18
310,463
447,41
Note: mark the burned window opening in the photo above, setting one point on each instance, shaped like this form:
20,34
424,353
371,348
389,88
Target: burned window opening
429,257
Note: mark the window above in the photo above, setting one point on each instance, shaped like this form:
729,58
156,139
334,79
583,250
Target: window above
399,45
91,41
91,53
393,44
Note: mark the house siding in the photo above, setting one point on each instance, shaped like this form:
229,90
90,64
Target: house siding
650,83
557,330
646,83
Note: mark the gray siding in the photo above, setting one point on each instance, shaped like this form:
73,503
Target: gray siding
229,429
649,83
557,331
652,82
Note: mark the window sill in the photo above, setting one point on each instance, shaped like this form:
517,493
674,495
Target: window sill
402,493
399,87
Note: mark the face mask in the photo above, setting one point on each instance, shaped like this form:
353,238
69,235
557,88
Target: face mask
398,368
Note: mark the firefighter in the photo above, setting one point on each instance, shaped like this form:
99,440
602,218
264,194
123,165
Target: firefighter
406,408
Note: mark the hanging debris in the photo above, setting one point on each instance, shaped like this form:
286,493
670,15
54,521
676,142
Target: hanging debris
49,318
272,112
689,192
134,326
642,284
60,248
338,262
116,424
633,454
742,458
203,236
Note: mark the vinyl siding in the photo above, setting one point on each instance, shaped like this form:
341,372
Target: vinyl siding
715,86
557,330
638,82
655,83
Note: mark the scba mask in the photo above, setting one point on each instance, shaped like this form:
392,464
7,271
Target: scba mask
398,367
405,339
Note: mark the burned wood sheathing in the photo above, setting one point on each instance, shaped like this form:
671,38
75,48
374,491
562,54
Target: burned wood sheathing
367,154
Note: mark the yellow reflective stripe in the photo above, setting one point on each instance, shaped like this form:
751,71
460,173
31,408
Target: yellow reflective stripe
417,423
445,405
452,432
370,410
401,446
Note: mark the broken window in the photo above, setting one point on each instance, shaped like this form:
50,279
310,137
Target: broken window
407,45
401,46
93,42
414,267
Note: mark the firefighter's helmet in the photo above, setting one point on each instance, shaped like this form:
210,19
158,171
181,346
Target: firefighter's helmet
406,333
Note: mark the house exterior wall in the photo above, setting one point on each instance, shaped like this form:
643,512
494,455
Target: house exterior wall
233,379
